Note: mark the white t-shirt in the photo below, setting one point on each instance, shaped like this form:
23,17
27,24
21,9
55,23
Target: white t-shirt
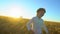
38,24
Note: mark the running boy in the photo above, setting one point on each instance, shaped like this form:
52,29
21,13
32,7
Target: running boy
37,22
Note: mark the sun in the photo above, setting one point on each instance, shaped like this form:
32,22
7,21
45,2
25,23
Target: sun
15,11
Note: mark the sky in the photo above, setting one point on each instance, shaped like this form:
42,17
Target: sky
28,8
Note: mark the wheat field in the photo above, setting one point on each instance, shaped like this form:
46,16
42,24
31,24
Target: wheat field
9,25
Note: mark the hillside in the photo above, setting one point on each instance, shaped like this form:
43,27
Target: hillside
9,25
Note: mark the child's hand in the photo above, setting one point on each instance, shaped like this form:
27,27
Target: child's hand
47,33
31,32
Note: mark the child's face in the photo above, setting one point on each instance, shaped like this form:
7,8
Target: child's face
40,13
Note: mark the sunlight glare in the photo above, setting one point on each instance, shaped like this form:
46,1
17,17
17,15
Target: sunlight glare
15,11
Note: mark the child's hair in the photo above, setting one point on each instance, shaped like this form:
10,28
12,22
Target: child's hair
41,9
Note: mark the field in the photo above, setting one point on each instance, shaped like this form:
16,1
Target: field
9,25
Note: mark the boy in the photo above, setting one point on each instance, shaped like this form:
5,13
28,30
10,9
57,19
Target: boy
37,22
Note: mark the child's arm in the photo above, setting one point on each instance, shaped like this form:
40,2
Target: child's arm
29,24
45,28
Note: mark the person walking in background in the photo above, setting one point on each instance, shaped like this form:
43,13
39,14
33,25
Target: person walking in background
38,22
